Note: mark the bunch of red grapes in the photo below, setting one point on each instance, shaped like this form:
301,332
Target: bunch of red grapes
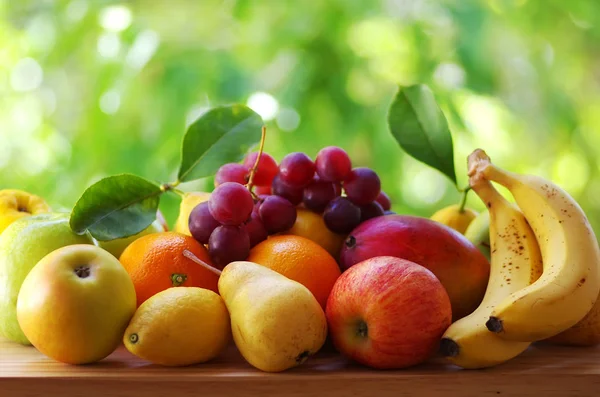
234,220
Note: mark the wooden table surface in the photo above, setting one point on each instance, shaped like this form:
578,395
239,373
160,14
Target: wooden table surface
541,371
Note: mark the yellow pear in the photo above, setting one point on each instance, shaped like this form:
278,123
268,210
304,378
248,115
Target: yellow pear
276,322
15,204
188,203
453,217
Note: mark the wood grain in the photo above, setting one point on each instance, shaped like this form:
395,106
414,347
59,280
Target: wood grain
541,371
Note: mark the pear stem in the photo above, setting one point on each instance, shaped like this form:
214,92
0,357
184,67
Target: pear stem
190,255
261,148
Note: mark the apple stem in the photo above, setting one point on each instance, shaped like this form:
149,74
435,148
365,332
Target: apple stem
363,329
190,255
263,137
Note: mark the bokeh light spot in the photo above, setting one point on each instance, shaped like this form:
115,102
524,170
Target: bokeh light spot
115,18
264,104
27,75
143,49
449,75
108,45
110,102
288,119
76,10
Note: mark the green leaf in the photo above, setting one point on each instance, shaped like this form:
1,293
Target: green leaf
115,207
419,126
221,135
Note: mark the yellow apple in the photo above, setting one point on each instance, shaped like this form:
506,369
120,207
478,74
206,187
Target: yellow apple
188,203
15,204
76,303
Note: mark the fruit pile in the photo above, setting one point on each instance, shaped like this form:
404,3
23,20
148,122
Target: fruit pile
243,266
235,219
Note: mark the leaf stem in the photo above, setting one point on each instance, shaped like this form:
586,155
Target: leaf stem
263,137
190,255
463,199
171,187
180,193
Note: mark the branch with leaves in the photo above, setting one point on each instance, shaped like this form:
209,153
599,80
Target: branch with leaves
124,205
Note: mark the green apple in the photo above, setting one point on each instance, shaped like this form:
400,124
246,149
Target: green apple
116,247
22,245
76,303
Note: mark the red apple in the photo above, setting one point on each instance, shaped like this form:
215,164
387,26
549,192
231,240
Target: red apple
387,312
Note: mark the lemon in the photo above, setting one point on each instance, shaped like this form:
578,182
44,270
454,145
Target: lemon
453,217
179,326
312,226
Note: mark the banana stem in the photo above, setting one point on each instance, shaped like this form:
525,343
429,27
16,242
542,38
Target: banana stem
503,177
487,192
190,255
481,173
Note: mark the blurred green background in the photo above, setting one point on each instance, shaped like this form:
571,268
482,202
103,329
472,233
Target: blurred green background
94,88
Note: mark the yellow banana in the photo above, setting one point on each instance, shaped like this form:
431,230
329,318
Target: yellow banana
467,342
570,282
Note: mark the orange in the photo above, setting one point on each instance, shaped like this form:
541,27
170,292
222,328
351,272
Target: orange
311,225
156,262
299,259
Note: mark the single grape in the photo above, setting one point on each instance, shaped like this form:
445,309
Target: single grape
333,164
266,170
202,223
370,210
318,194
255,228
290,193
262,190
277,214
228,244
232,172
362,186
341,216
231,203
384,200
297,169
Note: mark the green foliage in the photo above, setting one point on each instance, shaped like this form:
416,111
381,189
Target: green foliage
115,207
419,126
222,135
85,96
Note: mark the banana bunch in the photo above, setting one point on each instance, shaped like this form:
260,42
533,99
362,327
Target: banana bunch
544,277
